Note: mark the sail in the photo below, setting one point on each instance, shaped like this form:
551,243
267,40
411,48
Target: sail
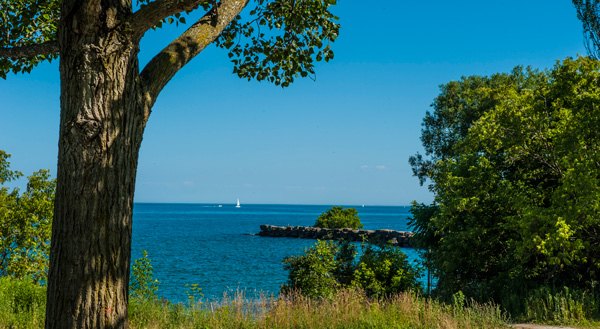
238,203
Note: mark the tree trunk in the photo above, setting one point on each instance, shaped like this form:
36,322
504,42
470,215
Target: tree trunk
101,127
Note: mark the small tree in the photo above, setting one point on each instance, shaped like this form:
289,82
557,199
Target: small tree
25,222
338,217
143,284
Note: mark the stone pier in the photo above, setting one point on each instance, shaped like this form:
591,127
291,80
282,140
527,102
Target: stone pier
397,238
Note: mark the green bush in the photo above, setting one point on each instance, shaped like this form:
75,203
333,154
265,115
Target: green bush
327,266
313,272
384,269
338,217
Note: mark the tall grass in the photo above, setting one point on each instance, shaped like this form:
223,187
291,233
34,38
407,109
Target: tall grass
555,306
22,304
347,309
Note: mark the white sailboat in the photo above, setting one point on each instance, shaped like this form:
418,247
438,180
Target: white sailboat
238,203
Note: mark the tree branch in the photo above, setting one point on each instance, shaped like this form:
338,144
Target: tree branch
29,50
172,58
147,16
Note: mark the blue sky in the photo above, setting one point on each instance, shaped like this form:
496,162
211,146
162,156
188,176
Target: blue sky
343,139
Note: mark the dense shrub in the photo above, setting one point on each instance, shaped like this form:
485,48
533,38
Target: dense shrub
327,266
338,217
313,272
384,269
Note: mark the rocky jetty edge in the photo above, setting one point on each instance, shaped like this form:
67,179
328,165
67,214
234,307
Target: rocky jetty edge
397,238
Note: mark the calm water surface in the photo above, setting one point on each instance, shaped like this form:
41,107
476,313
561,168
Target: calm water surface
208,245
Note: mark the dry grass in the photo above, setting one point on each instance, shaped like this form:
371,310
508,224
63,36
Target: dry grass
347,309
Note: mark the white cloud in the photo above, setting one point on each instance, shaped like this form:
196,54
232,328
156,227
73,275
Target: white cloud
188,183
364,167
380,167
320,188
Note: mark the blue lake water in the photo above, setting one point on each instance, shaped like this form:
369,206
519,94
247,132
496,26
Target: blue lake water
208,245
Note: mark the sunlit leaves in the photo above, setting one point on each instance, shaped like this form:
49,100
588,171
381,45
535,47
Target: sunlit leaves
25,222
520,185
23,23
281,39
278,41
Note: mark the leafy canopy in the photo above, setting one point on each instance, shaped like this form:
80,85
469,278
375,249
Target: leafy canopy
338,217
273,40
283,39
516,179
25,223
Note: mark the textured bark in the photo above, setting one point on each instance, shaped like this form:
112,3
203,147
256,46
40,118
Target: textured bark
101,129
104,107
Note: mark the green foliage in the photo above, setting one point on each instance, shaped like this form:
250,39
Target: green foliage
313,272
383,270
278,41
516,183
337,217
328,266
25,223
298,33
23,23
143,285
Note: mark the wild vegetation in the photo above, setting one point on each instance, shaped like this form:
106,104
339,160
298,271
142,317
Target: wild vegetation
22,305
515,170
330,266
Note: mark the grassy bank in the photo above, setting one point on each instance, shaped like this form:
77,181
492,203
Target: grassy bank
22,305
347,309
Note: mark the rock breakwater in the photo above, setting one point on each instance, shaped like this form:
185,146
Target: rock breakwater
397,238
